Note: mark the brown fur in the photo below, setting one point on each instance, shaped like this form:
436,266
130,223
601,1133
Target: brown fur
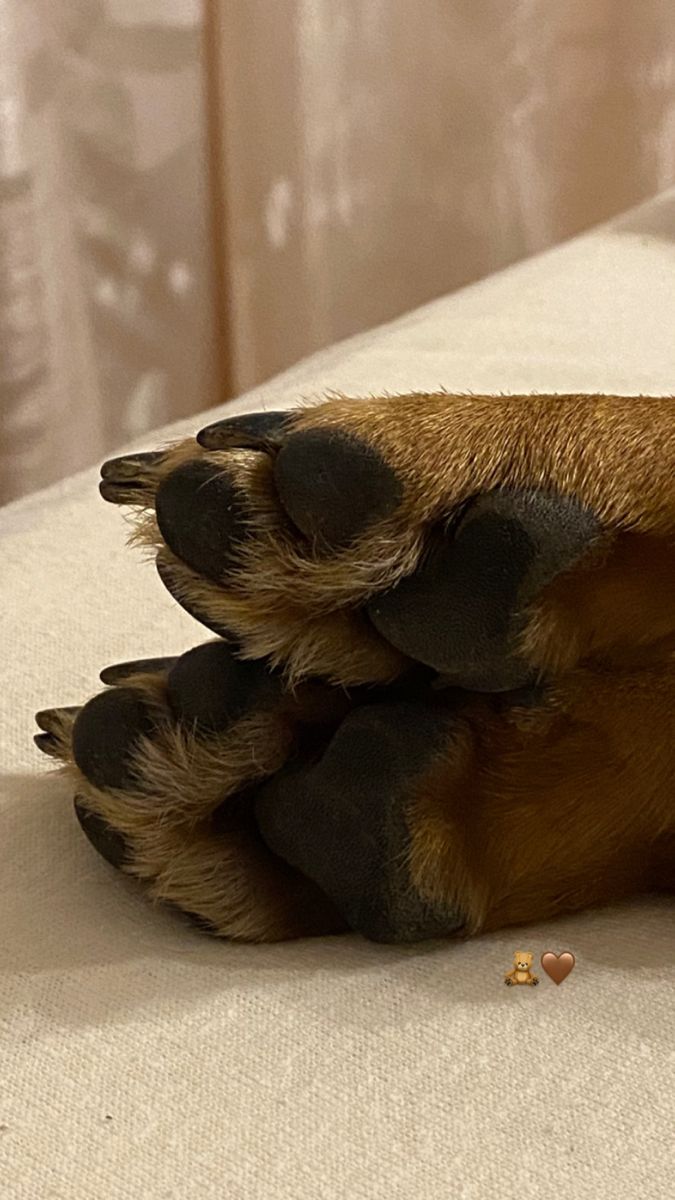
616,454
534,813
226,877
529,813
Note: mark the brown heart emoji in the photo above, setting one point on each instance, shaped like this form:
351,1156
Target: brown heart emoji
558,966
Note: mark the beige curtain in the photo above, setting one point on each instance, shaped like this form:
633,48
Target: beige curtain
106,291
195,193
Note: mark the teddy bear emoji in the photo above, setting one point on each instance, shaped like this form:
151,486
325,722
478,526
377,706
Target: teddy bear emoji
522,970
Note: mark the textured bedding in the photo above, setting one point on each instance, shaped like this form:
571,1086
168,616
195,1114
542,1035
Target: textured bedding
140,1059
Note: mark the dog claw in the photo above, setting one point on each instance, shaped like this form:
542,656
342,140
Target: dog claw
47,743
119,672
250,431
128,465
51,719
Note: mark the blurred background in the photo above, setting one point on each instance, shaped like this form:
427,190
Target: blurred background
194,194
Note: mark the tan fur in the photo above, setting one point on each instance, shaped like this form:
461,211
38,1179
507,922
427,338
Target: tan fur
615,608
529,813
278,601
228,877
533,813
286,601
345,645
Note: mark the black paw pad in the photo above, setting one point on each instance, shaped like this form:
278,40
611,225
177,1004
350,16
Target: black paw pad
201,516
342,821
333,486
105,735
209,688
110,844
255,431
461,612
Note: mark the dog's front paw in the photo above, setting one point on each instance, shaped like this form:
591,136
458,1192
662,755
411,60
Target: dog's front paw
496,540
164,764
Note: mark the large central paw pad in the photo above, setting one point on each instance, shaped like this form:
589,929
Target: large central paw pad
342,819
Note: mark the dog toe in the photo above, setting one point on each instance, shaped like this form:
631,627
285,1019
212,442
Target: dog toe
106,734
201,516
333,486
210,689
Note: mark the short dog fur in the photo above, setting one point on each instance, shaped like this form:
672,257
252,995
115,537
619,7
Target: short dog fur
531,769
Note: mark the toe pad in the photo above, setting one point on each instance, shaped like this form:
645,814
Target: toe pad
333,486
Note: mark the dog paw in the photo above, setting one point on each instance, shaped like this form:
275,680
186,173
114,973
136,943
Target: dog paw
262,814
496,540
163,765
403,812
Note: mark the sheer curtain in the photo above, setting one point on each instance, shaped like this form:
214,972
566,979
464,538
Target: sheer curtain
106,290
195,193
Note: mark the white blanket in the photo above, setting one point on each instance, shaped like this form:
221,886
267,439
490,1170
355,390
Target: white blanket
139,1059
